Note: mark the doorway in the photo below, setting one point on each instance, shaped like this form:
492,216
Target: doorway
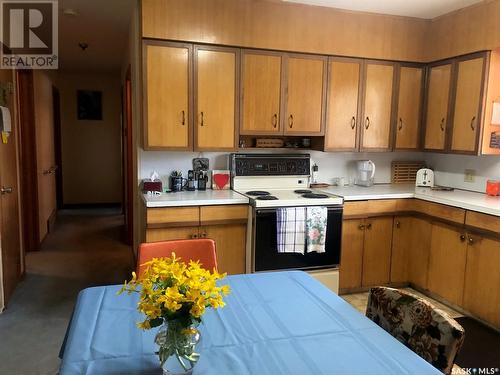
128,159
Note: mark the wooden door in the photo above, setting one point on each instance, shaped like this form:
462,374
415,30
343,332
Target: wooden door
351,260
447,262
418,251
230,245
467,105
482,278
260,93
215,98
409,108
168,234
167,114
436,118
11,256
401,244
377,251
342,105
305,99
377,108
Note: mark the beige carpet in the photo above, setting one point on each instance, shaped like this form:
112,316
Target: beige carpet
84,249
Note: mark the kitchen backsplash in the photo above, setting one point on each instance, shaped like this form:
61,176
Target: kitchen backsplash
449,168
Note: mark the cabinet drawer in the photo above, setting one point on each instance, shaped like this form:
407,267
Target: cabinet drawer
372,207
483,221
167,234
223,214
453,214
173,217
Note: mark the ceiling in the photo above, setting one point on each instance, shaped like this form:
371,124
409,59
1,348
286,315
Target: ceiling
411,8
103,25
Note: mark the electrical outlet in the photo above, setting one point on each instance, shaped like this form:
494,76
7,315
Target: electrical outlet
469,175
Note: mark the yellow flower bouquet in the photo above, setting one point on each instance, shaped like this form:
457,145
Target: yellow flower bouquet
176,295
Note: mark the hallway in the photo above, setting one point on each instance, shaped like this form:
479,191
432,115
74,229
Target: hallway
84,249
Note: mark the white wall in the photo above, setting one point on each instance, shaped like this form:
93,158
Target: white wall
449,168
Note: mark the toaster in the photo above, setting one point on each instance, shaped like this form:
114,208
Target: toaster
425,177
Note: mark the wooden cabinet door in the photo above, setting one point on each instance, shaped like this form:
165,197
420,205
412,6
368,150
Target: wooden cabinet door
418,251
401,243
260,93
167,234
304,104
342,105
351,260
409,108
377,251
216,107
467,105
482,278
447,262
230,242
167,116
377,107
438,94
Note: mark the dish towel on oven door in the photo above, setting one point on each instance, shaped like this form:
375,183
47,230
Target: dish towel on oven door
316,220
291,228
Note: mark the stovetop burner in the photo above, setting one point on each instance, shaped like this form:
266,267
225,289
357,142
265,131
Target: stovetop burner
314,195
257,193
302,191
267,198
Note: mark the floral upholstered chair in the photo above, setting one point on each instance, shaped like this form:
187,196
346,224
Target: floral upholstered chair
426,330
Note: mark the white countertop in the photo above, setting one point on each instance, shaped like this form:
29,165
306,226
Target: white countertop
194,198
458,198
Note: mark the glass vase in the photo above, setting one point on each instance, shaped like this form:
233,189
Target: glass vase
177,347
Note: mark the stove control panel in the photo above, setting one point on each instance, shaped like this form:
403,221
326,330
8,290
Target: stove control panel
270,165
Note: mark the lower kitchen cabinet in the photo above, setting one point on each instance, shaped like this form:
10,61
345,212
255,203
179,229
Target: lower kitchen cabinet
377,251
351,261
230,242
401,244
482,278
447,260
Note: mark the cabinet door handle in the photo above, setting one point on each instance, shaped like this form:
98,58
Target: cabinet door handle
400,124
471,240
194,236
472,123
290,121
202,123
398,224
5,190
183,121
462,237
367,122
441,125
275,120
361,227
203,235
369,226
353,122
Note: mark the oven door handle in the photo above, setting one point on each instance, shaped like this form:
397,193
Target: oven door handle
270,210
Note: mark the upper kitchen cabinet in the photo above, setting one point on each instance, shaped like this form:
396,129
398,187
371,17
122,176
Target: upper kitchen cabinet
342,110
260,93
215,91
166,80
409,107
468,104
377,106
305,95
438,97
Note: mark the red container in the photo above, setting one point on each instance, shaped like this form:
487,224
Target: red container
493,187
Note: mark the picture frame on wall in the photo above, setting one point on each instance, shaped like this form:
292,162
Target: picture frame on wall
89,104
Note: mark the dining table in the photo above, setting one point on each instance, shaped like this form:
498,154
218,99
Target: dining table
273,323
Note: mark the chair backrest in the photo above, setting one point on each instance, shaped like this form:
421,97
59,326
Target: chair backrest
426,330
202,250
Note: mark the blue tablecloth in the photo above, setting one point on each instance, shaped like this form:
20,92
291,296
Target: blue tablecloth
274,323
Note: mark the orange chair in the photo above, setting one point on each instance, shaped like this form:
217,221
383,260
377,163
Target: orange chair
202,250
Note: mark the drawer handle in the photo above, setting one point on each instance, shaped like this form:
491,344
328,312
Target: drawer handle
367,122
183,122
441,125
353,122
290,121
400,124
275,120
472,123
202,120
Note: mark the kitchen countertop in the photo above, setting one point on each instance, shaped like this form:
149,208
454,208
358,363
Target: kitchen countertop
194,198
458,198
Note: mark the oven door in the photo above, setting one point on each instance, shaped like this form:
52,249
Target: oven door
267,257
